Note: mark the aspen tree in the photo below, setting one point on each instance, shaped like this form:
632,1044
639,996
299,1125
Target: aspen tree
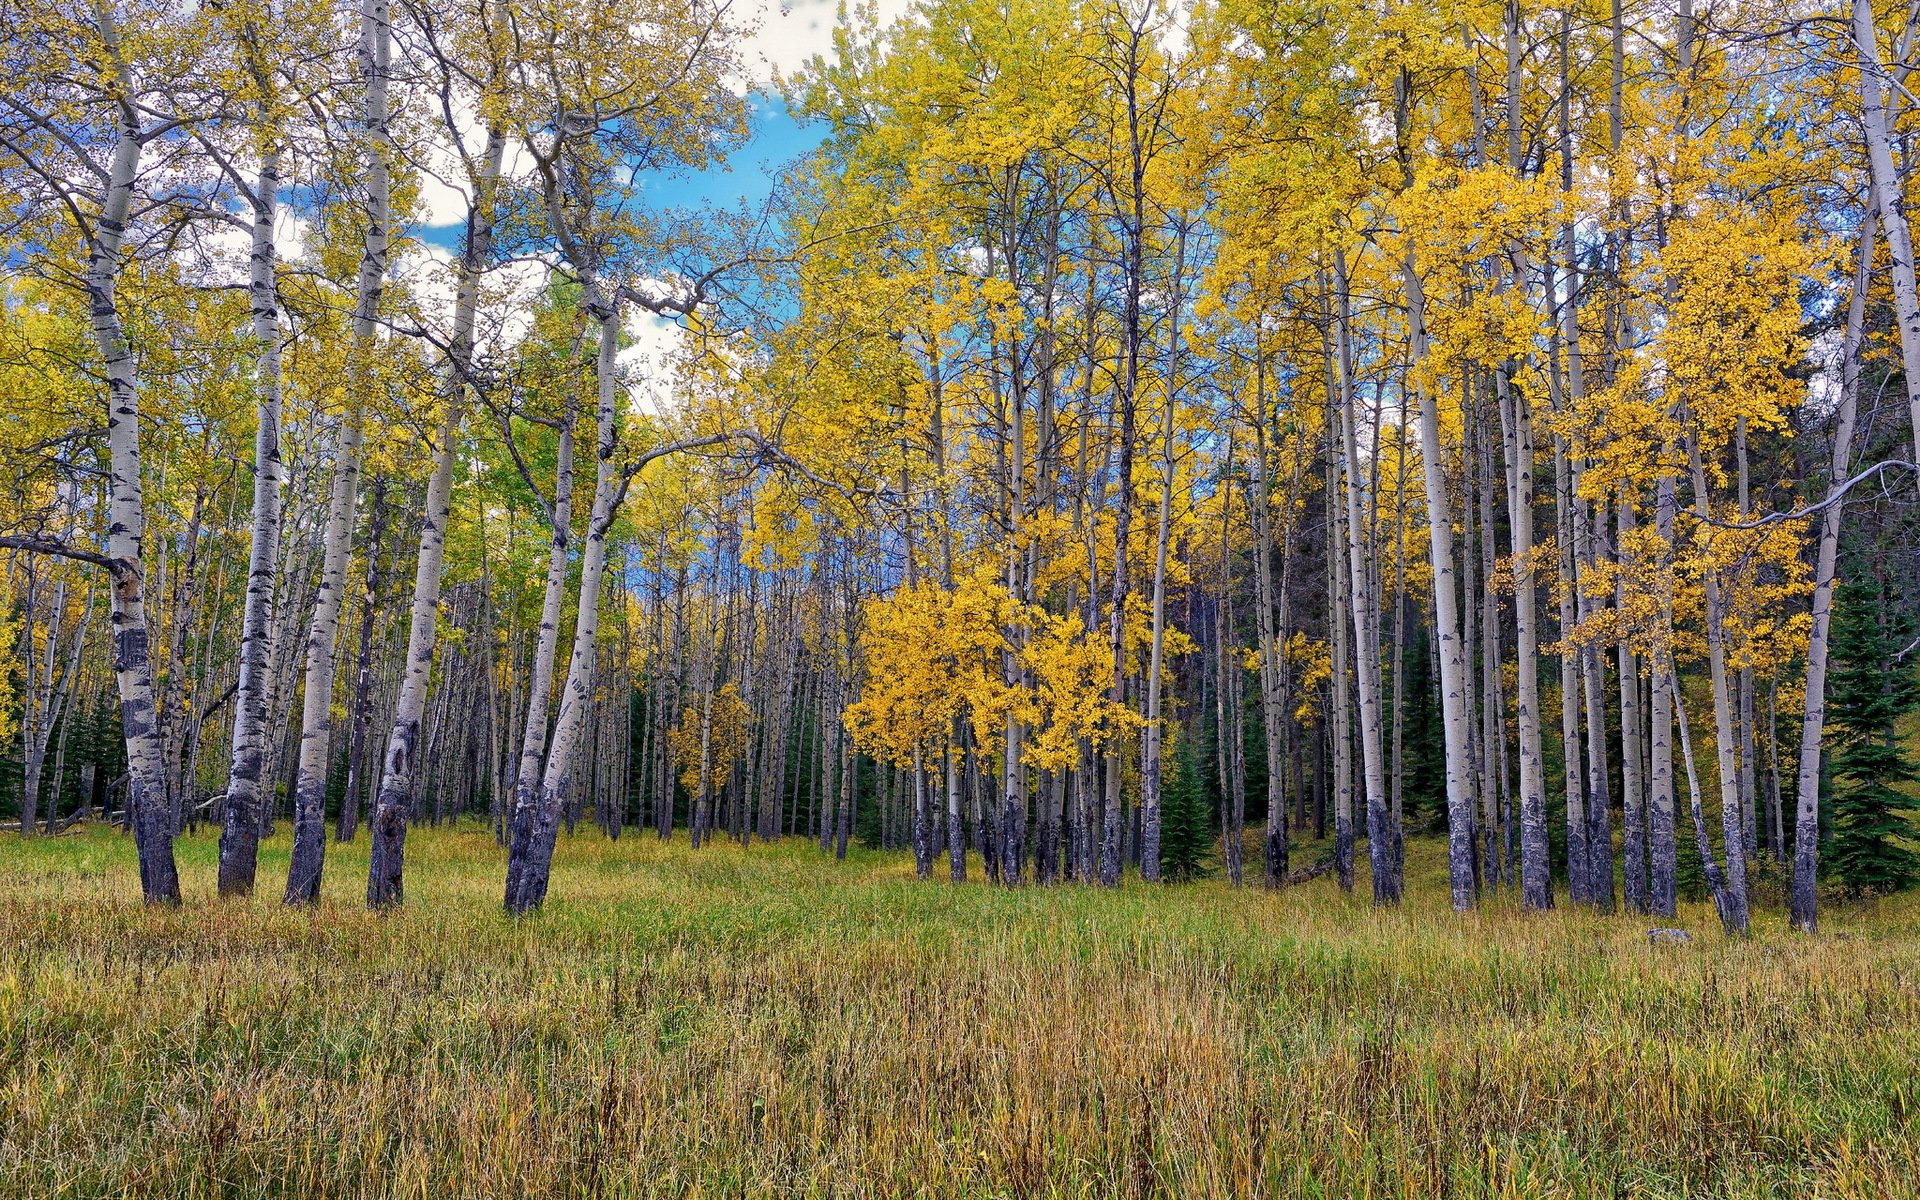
1803,901
1151,731
96,184
316,715
1889,188
240,833
1363,602
482,167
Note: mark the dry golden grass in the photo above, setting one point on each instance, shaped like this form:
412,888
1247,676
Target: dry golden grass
768,1023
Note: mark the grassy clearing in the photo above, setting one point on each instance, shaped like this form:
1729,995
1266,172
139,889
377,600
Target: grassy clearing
769,1023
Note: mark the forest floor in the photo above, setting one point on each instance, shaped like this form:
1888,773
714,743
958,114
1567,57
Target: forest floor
769,1022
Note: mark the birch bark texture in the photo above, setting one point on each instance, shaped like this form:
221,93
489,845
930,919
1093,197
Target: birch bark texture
316,711
240,826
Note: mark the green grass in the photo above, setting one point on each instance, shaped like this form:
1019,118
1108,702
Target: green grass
768,1022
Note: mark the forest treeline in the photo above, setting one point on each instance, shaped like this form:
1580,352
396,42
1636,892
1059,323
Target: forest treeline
1133,425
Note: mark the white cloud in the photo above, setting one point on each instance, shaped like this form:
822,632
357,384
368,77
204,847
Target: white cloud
290,233
786,35
647,361
790,33
441,203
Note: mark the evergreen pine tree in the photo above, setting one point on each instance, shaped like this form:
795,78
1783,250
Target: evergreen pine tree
1425,795
1186,830
1867,694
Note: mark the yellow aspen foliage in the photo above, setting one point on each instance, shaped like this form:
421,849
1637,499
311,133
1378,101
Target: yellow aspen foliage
728,727
1734,336
933,655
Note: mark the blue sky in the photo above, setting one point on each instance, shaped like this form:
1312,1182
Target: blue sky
786,34
774,140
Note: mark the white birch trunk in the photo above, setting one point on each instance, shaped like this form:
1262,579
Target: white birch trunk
1889,187
1364,608
316,713
386,866
240,828
1733,902
1446,610
530,857
1151,733
126,512
1804,901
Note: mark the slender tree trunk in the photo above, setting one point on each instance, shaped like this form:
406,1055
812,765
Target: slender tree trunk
1229,849
1150,734
1599,824
240,825
46,696
1516,411
922,820
1472,585
1237,745
1776,825
1363,605
1273,704
956,820
386,865
32,742
1662,847
400,764
1571,686
1732,912
1733,907
1493,711
1633,800
347,821
530,855
132,638
1889,200
829,737
1133,221
1233,802
849,787
701,820
1633,809
1396,786
1339,728
1446,606
316,717
1803,903
533,738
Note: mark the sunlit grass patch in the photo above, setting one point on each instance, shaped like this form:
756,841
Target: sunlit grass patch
770,1022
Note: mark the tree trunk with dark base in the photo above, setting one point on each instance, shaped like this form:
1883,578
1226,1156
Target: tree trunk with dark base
132,639
240,822
1804,898
316,720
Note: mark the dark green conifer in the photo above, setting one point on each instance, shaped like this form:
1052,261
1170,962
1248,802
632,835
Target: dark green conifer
1186,831
1870,825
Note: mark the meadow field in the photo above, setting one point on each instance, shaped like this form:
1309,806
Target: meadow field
768,1022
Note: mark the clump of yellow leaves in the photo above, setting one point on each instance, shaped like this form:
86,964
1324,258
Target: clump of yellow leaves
1309,661
933,655
1734,329
728,722
1454,221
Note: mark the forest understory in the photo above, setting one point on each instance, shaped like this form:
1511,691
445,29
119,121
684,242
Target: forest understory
770,1022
